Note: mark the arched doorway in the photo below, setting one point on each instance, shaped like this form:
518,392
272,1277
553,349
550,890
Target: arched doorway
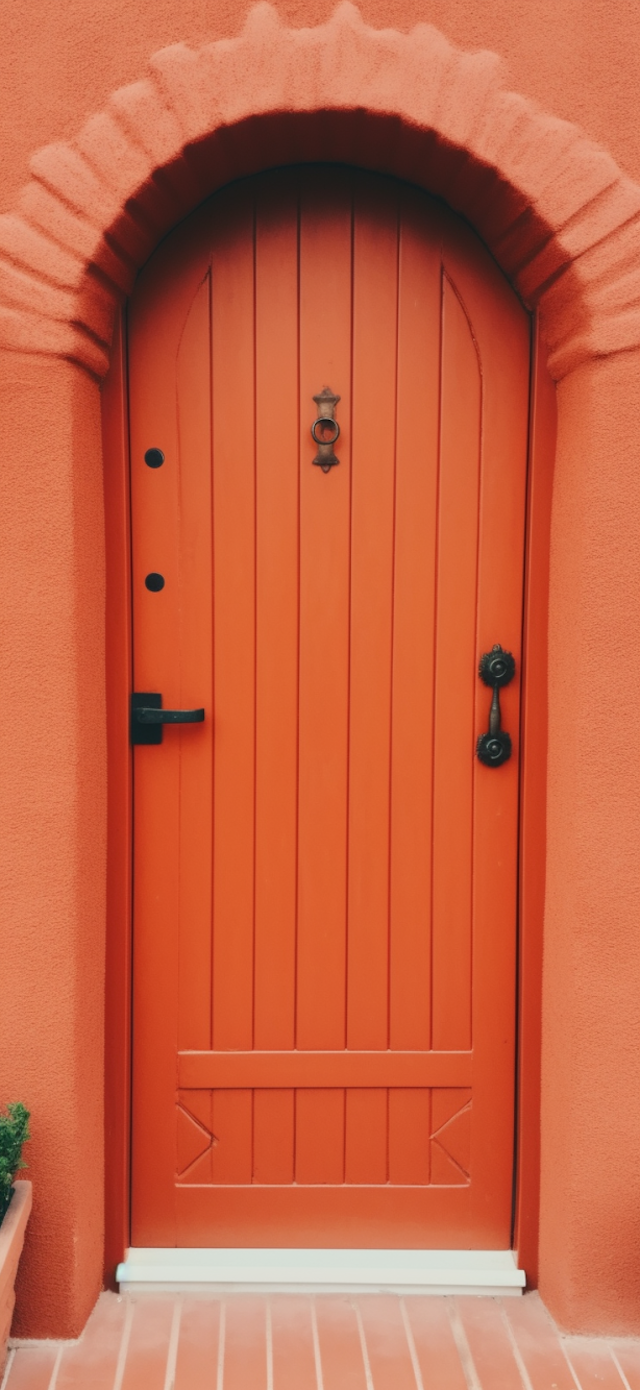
325,873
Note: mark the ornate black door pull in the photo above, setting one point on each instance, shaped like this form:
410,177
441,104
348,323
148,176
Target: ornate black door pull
496,668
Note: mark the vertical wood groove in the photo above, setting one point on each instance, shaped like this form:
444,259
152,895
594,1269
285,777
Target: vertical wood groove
349,668
298,580
476,634
214,664
392,635
349,614
254,346
435,639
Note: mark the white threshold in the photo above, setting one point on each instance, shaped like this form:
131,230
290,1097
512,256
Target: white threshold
218,1270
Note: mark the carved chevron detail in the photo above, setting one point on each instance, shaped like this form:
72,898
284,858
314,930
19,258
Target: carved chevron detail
557,212
451,1136
193,1137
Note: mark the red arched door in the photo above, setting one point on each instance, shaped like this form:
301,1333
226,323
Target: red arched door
325,875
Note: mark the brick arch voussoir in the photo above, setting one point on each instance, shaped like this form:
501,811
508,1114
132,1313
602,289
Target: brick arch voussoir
559,215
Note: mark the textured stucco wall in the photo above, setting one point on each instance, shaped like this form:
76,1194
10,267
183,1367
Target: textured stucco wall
590,1176
53,872
58,65
590,1188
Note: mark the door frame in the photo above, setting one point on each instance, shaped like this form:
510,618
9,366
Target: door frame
532,830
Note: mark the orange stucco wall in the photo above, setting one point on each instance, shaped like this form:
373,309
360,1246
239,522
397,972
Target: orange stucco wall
590,1180
580,58
58,64
52,833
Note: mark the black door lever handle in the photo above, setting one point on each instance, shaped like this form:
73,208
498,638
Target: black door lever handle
148,716
169,716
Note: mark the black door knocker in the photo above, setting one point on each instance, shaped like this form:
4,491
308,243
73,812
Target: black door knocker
496,668
325,429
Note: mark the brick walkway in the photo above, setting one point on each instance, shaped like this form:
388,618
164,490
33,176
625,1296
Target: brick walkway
245,1342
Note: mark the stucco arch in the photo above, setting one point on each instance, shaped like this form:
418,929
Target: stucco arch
555,209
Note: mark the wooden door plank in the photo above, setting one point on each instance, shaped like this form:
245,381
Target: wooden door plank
194,674
366,1135
319,1149
419,313
455,676
502,330
409,1134
234,618
232,1127
233,1069
324,1211
532,843
274,1136
156,320
373,421
277,450
325,352
156,636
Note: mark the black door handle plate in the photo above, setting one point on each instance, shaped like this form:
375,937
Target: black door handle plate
148,717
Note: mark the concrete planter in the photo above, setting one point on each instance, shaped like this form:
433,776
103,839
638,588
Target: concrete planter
12,1232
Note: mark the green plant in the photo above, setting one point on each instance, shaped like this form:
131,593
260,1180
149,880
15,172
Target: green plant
14,1132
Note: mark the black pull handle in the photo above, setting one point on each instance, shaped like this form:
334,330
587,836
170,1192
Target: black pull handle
496,668
148,716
